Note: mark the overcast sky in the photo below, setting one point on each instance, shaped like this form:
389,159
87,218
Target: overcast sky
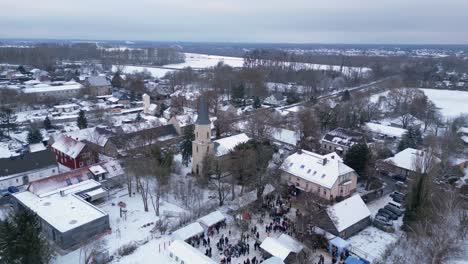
291,21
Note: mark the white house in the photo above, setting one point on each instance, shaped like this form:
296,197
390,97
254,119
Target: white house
325,175
409,161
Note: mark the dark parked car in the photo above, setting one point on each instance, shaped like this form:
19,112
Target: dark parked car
382,221
399,177
397,199
392,215
394,210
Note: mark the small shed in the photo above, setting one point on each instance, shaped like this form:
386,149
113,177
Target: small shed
187,232
212,219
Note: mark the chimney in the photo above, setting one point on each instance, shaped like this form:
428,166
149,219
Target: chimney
333,156
299,151
325,161
62,193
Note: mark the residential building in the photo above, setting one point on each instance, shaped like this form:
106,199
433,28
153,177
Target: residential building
340,140
409,161
72,153
99,85
325,175
346,218
20,170
61,90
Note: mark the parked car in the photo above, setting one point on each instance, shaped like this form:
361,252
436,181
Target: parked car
399,177
394,210
383,226
385,215
384,220
401,186
379,222
393,216
397,193
397,205
397,199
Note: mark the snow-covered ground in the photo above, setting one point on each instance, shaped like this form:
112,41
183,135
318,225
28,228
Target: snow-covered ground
451,103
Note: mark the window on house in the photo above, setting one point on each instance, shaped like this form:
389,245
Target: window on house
81,164
68,182
78,178
207,148
114,168
197,149
207,135
325,192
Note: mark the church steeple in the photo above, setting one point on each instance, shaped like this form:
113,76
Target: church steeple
202,146
203,118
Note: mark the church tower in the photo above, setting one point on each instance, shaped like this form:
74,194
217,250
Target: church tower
202,146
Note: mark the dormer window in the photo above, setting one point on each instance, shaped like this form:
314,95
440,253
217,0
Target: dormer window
323,175
302,166
309,171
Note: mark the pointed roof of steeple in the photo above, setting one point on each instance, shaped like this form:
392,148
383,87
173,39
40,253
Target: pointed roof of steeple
203,118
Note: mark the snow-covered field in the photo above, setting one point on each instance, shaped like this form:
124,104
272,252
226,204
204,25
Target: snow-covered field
451,103
194,60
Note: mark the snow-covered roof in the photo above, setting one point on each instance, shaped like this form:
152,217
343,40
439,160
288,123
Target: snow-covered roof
348,212
113,99
291,243
39,88
275,248
187,232
97,169
465,139
49,184
188,254
68,146
36,147
463,130
285,136
385,130
63,212
320,169
66,106
98,81
212,218
409,159
225,145
273,260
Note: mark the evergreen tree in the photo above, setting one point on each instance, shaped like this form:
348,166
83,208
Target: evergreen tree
257,103
411,139
357,158
416,202
346,96
138,117
47,123
34,136
238,92
186,146
21,240
82,122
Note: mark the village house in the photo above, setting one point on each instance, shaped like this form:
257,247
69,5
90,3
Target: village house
99,85
346,218
72,153
20,170
340,140
325,175
408,162
463,133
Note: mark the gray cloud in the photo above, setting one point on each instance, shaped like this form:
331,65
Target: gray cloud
342,21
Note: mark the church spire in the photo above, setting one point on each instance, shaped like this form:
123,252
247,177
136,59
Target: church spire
203,118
